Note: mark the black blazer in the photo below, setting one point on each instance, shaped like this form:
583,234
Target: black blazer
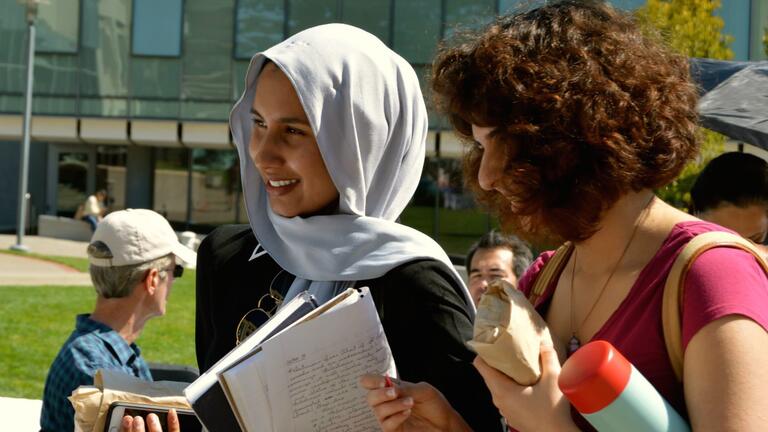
421,308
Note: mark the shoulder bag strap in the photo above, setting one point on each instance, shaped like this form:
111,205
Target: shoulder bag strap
551,269
673,289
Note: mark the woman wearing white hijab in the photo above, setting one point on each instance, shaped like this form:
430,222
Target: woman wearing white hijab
331,135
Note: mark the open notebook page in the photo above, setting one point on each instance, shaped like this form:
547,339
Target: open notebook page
310,373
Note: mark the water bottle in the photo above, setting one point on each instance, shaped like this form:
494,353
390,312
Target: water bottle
614,396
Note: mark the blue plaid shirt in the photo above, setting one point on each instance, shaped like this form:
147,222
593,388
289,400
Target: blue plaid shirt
92,346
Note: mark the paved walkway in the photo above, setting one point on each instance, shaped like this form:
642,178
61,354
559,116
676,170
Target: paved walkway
47,245
30,271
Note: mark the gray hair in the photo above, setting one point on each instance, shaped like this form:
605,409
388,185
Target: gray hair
119,281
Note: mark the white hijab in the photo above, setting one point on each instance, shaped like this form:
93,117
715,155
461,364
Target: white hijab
366,110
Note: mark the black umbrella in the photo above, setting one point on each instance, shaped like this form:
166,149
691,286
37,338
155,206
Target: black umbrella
735,101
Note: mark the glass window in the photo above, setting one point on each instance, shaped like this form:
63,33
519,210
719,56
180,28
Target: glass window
10,104
156,78
56,74
103,107
216,193
735,13
105,48
371,16
157,28
417,29
110,174
13,34
309,13
467,14
155,87
628,4
58,26
510,6
171,183
207,59
73,178
238,78
199,110
759,29
155,109
65,105
259,25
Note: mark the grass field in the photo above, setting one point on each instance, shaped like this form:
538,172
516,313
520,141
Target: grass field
37,320
457,229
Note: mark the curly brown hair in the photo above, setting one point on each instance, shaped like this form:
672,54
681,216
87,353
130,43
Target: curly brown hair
594,108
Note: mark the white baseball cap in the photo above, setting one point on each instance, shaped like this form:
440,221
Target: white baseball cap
136,236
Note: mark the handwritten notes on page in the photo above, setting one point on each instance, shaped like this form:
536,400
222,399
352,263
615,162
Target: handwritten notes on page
310,373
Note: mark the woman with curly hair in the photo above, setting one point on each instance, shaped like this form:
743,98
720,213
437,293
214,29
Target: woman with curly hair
576,117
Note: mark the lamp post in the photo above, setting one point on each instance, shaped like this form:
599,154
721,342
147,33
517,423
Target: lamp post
32,6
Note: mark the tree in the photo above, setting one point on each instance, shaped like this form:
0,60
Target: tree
689,26
765,41
692,28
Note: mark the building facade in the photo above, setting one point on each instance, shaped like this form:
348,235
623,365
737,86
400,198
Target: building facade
133,96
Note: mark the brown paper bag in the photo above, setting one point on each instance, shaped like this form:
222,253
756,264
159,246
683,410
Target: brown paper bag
91,403
508,333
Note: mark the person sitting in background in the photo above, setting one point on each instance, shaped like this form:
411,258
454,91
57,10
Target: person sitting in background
496,256
732,191
93,210
132,258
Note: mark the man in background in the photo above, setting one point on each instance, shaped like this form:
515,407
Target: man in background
496,256
132,258
732,191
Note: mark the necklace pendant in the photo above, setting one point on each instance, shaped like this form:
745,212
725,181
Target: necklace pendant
573,344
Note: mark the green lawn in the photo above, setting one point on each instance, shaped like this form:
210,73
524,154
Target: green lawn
457,229
37,320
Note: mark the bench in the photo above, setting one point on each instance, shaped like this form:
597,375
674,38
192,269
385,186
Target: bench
63,228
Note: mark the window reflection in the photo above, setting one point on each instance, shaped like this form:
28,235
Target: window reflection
371,16
417,29
309,13
111,174
58,26
171,183
467,14
216,196
73,178
259,25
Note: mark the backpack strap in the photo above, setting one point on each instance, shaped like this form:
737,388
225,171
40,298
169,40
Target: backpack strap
671,309
551,270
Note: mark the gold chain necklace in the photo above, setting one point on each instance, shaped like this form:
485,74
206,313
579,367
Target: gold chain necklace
574,343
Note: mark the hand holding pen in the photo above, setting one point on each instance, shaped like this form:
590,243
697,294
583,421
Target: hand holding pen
401,406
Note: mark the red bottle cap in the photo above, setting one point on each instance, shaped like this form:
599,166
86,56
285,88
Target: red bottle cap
594,376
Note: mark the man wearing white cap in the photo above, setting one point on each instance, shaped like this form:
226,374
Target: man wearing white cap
133,262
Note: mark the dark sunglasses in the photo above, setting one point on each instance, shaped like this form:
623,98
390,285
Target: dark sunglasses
254,318
178,270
